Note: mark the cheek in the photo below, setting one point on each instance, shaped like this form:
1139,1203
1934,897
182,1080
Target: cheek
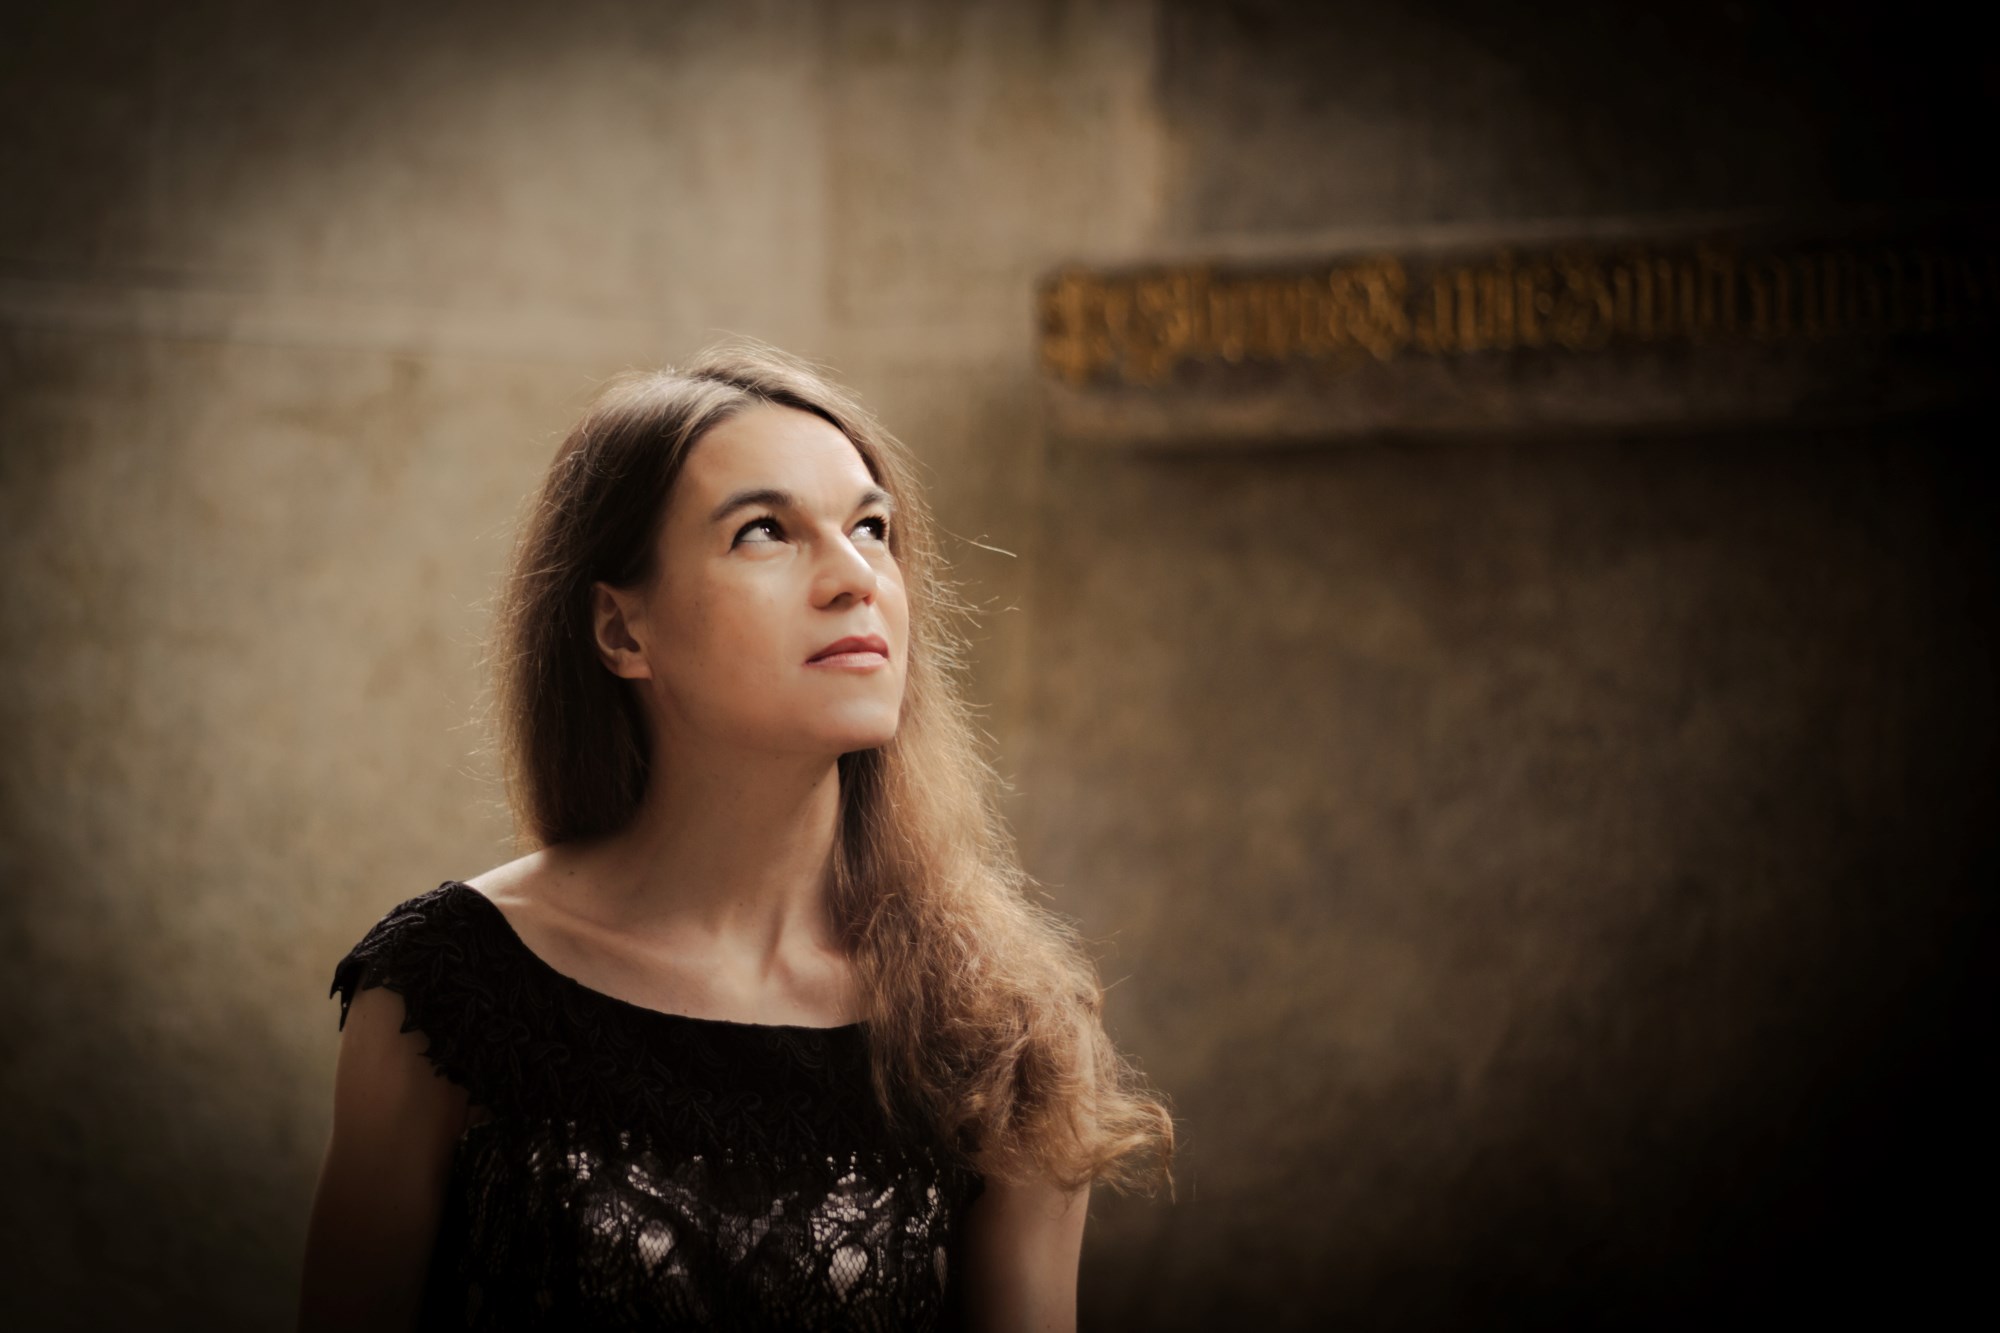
723,645
896,610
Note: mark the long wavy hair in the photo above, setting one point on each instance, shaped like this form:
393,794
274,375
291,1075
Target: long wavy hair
984,1012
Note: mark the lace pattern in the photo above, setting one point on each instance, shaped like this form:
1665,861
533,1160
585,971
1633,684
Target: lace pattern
646,1170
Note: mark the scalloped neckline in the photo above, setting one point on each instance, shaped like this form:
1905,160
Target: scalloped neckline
563,978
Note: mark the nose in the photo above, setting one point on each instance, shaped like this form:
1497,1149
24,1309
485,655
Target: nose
843,573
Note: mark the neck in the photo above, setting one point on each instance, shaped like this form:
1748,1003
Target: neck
736,846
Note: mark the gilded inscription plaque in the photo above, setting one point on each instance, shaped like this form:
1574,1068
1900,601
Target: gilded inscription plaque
1734,327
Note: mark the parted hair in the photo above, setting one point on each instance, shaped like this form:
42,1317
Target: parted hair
984,1009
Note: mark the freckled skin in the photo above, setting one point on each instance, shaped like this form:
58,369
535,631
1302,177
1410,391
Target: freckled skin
743,605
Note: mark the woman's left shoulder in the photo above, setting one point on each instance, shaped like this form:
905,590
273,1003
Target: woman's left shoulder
460,984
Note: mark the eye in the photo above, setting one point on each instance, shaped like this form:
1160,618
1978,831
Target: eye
768,521
881,524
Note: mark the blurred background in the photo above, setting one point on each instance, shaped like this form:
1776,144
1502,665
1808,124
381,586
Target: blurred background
1550,872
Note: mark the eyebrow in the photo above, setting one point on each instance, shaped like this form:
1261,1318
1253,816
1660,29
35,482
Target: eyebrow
773,498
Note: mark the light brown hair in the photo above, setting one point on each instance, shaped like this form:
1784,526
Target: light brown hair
984,1012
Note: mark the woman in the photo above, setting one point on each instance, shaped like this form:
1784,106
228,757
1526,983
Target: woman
765,1033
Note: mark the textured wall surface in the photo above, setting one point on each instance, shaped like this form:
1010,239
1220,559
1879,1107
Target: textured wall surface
1537,867
1546,874
295,302
1549,872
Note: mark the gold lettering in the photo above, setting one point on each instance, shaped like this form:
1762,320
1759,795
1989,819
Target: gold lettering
1718,292
1143,327
1685,286
1631,299
1436,320
1961,291
1249,296
1661,309
1902,315
1837,284
1314,331
1116,303
1226,337
1641,304
1072,347
1496,300
1585,309
1927,290
1871,294
1533,302
1382,322
1277,315
1470,331
1344,299
1770,298
1811,294
1163,332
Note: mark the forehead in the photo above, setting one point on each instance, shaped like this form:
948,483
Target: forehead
780,447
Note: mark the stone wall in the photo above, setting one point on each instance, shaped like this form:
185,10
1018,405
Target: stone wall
1546,865
295,303
1545,872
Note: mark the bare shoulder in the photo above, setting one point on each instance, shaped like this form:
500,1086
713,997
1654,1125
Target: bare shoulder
537,893
549,897
1023,1246
542,885
524,880
385,1085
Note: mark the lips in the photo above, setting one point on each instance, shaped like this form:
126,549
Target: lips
853,643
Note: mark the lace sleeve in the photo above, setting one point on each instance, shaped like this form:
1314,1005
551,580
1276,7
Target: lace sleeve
428,953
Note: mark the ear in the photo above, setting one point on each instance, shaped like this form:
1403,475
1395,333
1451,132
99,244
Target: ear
615,618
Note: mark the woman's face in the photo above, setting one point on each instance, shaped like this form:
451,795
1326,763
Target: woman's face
774,547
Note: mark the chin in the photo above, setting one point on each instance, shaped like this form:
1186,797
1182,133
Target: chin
865,740
850,739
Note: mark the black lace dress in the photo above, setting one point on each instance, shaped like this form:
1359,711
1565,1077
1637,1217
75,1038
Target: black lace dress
647,1170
